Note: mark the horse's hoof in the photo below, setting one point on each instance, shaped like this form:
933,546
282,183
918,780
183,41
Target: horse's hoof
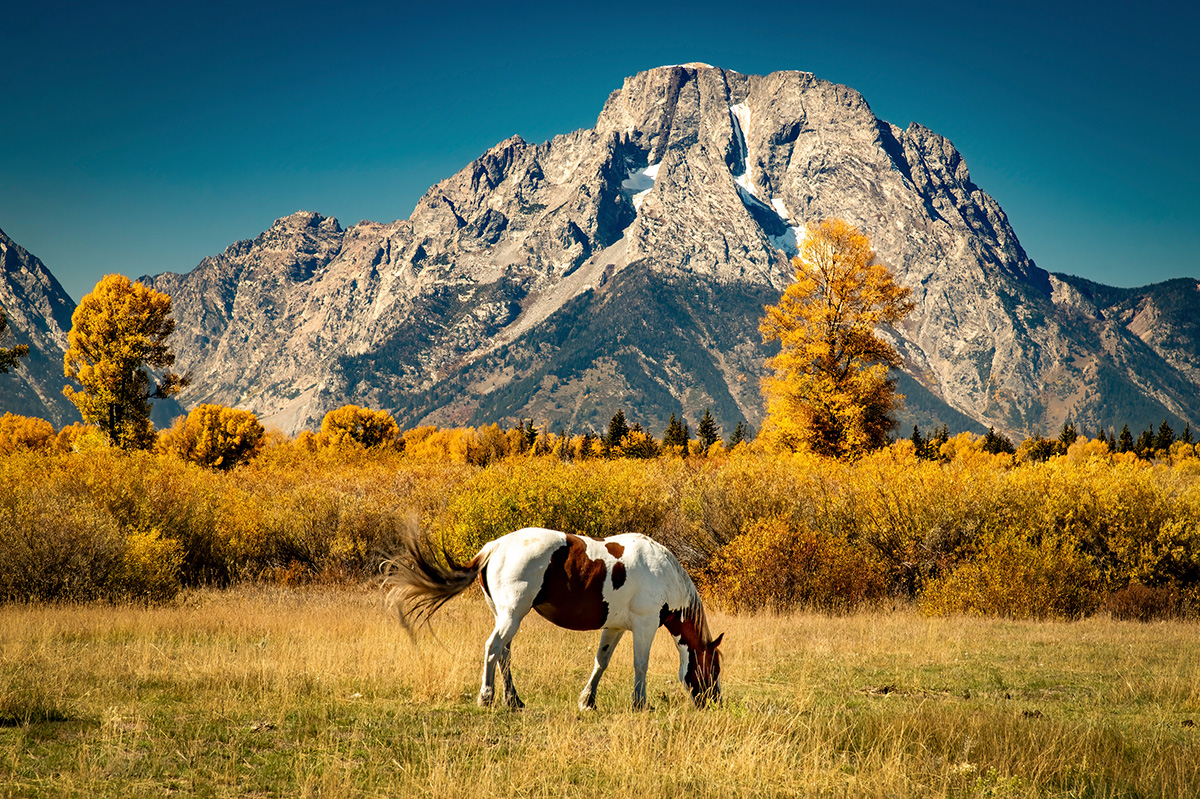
485,700
516,704
587,703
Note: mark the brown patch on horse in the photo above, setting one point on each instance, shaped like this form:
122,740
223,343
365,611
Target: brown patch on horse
572,592
618,575
615,549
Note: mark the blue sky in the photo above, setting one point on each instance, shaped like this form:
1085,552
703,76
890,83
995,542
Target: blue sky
141,137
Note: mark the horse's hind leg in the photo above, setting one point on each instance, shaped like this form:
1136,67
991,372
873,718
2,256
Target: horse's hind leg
497,652
510,691
608,642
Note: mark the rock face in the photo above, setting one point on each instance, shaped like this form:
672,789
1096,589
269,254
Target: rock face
39,315
627,265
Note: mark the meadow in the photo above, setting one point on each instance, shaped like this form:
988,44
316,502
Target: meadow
274,691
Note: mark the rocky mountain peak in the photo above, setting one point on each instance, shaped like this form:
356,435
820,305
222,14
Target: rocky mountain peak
627,264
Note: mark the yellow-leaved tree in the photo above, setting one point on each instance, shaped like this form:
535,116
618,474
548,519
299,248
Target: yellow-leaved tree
215,436
351,423
119,330
830,392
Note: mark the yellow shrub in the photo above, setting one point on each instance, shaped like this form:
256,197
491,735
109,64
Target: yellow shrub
150,568
215,436
24,432
774,565
1014,577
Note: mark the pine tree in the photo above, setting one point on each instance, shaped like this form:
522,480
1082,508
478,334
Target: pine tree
740,434
618,428
996,443
1165,437
1066,437
675,435
1125,442
830,392
709,433
1187,433
918,442
1145,444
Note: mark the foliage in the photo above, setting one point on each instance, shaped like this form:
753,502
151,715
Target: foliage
830,392
363,426
117,331
1015,577
77,515
215,436
9,356
773,565
25,432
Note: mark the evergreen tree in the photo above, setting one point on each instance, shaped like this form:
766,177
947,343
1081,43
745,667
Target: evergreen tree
1066,436
708,434
675,435
1125,442
1112,442
1165,437
933,446
586,446
618,428
918,442
1187,433
530,432
1145,444
740,433
996,443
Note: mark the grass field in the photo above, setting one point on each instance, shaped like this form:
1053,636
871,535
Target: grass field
319,693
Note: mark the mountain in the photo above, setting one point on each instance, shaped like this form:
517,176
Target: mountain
39,314
626,265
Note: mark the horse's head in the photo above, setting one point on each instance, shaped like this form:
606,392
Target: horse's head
703,675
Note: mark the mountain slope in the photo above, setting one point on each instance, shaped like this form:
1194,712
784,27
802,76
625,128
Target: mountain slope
627,265
39,314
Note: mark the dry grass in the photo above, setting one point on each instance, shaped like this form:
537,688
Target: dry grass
274,692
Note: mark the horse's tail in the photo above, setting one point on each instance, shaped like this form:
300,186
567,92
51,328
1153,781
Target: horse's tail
424,577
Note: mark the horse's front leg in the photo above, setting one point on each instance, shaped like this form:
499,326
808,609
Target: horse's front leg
609,637
643,637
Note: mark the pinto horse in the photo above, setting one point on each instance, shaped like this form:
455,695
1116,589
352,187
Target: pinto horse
626,582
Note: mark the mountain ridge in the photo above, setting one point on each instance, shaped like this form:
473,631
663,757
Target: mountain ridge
514,288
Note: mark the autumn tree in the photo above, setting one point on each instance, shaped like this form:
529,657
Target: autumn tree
117,332
351,423
9,356
215,436
830,392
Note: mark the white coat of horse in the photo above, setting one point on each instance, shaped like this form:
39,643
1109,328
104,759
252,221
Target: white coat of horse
622,583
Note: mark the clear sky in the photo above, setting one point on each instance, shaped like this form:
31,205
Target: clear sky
140,137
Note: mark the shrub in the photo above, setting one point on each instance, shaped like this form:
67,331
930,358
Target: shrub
215,436
1136,602
1014,577
24,432
150,567
777,566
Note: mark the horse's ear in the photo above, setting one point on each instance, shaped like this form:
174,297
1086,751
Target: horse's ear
716,642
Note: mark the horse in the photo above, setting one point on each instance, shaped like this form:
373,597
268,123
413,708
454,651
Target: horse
622,583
